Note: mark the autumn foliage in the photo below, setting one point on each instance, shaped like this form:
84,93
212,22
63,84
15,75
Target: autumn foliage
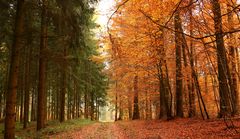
184,55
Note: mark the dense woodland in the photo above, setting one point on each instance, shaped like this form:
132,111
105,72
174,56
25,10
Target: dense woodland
47,71
161,59
174,58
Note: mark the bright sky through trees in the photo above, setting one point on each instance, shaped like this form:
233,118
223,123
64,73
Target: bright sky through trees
104,10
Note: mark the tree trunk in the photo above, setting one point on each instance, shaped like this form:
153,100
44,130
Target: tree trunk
129,103
85,105
63,90
224,92
232,58
178,43
116,102
41,112
33,109
27,87
191,95
13,75
92,106
135,101
27,72
120,109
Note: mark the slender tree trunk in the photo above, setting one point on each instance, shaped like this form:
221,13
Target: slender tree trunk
135,101
232,58
33,110
120,109
191,95
86,101
27,87
41,112
147,106
92,106
116,102
63,90
21,83
129,103
13,75
1,104
179,88
27,72
21,91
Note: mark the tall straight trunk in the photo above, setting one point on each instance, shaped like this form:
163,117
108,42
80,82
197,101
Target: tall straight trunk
13,75
129,103
120,109
116,102
74,100
27,87
238,62
136,114
224,92
1,104
21,84
69,106
191,95
146,106
21,90
41,111
78,99
86,105
179,87
232,53
58,88
27,73
186,66
63,90
92,106
162,92
33,109
97,109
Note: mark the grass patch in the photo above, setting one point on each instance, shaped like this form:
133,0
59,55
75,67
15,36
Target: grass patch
53,127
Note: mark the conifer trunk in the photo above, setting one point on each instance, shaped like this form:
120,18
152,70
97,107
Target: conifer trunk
41,112
13,75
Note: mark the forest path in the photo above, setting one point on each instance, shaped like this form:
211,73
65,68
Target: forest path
154,129
100,130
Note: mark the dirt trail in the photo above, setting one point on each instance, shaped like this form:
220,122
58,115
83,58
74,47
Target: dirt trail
95,131
179,128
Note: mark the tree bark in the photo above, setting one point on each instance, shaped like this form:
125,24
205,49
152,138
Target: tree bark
42,70
63,90
13,75
27,87
232,53
135,101
116,102
129,103
224,92
178,43
27,72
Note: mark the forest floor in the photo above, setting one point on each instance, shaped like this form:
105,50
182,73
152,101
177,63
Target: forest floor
183,128
155,129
